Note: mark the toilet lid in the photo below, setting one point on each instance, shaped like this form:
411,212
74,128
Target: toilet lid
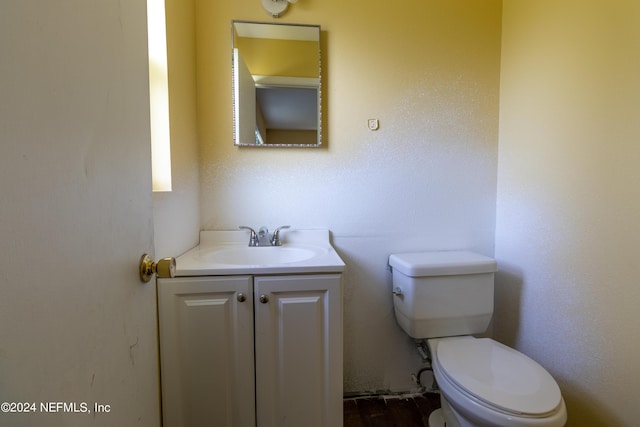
498,375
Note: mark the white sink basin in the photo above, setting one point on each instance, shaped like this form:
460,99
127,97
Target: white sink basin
228,252
264,255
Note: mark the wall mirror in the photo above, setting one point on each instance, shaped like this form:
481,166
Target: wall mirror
277,89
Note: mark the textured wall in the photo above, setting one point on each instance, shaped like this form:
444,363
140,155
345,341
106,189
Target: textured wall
177,213
429,71
569,199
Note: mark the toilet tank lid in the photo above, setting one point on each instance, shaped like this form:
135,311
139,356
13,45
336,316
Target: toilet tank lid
441,263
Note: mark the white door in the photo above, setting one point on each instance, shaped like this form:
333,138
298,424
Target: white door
298,341
206,351
77,327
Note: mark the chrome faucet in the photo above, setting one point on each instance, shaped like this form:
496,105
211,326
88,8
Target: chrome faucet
275,239
253,237
262,238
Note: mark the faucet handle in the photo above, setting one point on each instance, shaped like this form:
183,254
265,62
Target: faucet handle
275,240
253,237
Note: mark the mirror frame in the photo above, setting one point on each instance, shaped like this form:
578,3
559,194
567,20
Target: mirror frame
236,141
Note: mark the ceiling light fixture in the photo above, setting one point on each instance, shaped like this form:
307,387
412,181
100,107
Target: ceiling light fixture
276,7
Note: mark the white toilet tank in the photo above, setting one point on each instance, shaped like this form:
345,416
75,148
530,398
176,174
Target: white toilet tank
442,294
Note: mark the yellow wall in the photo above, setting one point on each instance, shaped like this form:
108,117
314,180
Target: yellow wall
429,71
270,57
176,214
567,234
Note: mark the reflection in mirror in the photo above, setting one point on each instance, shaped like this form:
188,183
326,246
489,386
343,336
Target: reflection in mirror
276,85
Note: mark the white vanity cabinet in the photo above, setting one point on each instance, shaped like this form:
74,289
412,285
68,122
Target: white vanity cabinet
261,351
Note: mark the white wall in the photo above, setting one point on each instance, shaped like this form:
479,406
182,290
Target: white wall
429,71
567,233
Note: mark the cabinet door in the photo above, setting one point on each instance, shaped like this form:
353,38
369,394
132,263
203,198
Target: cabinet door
298,350
206,351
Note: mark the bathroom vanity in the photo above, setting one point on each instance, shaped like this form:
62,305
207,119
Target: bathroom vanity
252,336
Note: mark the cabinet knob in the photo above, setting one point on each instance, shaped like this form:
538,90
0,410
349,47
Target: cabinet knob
264,299
242,297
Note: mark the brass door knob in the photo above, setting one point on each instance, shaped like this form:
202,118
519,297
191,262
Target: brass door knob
165,268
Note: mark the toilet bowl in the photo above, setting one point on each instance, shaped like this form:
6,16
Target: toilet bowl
445,297
485,383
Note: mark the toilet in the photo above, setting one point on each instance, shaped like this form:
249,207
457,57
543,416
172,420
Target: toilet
444,298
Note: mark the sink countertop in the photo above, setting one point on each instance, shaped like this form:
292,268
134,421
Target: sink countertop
194,262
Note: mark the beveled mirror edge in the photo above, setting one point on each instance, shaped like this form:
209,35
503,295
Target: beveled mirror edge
319,143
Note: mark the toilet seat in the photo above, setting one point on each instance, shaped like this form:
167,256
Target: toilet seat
498,377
